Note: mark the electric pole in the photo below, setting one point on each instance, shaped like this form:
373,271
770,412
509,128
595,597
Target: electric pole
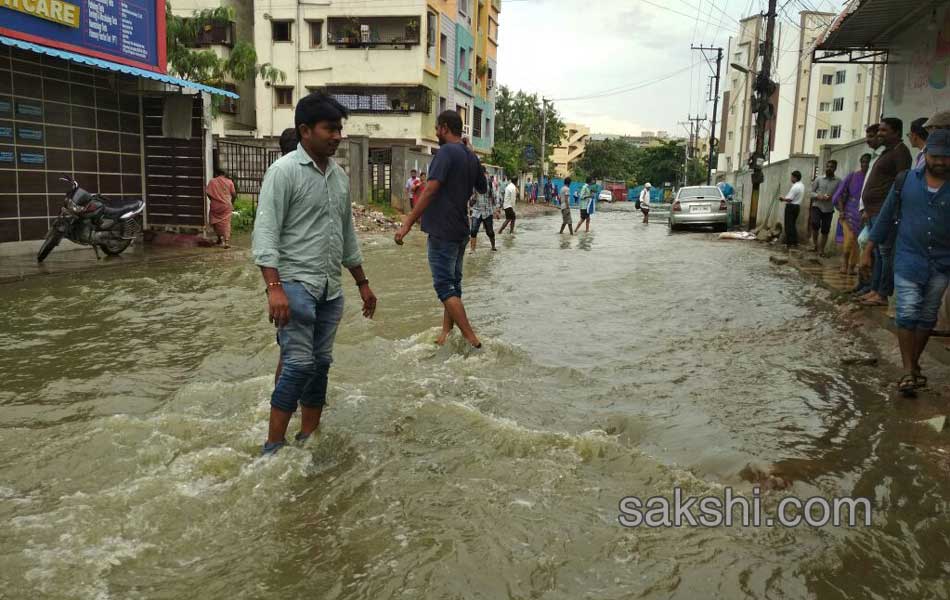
544,129
763,90
712,132
694,124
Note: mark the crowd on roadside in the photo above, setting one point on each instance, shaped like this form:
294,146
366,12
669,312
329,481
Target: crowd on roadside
894,220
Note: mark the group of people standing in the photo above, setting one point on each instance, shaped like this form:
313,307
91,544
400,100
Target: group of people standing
894,212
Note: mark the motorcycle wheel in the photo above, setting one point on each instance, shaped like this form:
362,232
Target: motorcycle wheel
115,247
53,237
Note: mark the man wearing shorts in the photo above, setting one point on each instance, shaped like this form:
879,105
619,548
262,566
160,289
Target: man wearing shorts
454,174
510,198
645,201
922,252
586,204
564,197
482,215
822,209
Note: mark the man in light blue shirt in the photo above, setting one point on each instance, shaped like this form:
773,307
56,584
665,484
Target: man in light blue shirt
303,236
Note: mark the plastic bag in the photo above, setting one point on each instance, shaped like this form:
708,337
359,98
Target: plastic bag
864,236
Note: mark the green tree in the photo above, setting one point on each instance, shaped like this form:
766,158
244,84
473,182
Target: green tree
185,60
608,159
659,164
696,171
518,125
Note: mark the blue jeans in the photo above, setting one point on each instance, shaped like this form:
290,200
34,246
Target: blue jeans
917,304
306,348
445,262
882,281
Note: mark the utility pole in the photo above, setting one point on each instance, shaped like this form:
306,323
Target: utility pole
764,87
544,129
686,148
715,99
694,124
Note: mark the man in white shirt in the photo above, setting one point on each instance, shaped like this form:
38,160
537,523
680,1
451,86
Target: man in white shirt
413,178
645,201
564,198
511,197
792,208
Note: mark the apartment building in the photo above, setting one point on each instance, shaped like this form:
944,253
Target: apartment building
395,64
813,105
571,148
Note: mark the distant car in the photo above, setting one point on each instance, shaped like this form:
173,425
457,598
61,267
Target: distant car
699,205
605,196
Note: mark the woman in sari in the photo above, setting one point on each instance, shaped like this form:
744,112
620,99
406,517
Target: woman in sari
847,200
221,192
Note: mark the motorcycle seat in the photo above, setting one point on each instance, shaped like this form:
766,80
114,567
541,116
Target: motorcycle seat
117,208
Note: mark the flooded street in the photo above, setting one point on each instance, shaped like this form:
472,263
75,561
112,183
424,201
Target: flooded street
621,362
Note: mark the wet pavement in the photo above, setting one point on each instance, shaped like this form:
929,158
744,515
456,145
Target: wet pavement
626,361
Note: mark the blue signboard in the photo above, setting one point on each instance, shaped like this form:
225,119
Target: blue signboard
32,158
6,157
30,133
131,32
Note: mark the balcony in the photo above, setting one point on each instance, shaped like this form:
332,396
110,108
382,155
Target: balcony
373,32
382,99
211,33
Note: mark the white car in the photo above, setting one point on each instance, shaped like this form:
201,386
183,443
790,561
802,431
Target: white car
605,196
699,205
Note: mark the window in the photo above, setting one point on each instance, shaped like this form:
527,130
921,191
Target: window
463,6
211,33
229,105
477,122
280,31
491,78
488,130
835,132
856,105
442,105
432,21
729,136
859,76
827,79
840,76
316,34
283,96
443,47
463,61
822,134
838,105
824,106
382,99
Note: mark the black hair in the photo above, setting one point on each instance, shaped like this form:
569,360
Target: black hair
866,155
567,181
917,128
316,107
413,171
797,175
219,172
872,127
590,180
895,124
288,140
450,119
834,162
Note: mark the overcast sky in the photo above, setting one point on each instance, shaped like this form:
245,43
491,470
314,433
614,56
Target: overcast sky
571,48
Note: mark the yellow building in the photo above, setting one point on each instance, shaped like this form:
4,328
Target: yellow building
571,149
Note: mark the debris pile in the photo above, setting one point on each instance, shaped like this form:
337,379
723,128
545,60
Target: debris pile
365,218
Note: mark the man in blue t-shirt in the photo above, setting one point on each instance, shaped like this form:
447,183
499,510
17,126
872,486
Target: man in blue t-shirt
454,173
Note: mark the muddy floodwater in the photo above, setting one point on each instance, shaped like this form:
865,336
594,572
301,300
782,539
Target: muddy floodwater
623,362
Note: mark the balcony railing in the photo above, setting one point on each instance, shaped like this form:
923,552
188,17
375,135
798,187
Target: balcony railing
374,32
383,99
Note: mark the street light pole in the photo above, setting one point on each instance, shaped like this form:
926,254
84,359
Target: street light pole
762,87
544,129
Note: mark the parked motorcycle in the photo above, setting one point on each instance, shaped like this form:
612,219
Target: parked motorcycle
92,220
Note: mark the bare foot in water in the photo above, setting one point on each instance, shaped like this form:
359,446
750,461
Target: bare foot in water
440,341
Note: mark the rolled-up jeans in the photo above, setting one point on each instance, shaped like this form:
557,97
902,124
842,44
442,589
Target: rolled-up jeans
918,304
882,280
445,262
306,348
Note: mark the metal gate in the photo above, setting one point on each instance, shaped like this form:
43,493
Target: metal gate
380,175
245,164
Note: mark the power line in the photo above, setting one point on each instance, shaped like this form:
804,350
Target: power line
630,88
